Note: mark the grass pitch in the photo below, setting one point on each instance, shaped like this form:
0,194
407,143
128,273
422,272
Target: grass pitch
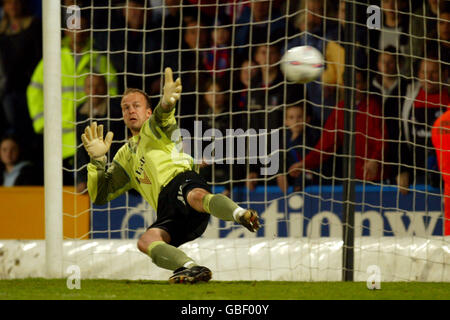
45,289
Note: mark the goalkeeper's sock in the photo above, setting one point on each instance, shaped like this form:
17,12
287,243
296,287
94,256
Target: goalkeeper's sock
222,207
168,257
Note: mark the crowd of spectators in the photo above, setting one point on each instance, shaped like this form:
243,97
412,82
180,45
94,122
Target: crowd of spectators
227,56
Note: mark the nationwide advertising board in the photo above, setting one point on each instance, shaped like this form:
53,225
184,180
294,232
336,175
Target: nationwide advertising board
313,213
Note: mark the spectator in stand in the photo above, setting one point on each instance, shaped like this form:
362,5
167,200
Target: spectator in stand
296,139
440,135
97,107
20,52
172,32
268,90
232,9
440,42
215,114
171,22
335,53
133,44
217,59
369,141
423,104
393,32
182,24
215,105
310,18
240,112
185,31
423,25
193,71
258,23
247,71
266,96
206,8
391,90
15,171
77,61
315,31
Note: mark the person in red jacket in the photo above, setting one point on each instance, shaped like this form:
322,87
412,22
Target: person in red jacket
424,102
370,135
440,136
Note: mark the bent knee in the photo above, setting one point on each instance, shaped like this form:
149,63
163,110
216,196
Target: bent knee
195,195
150,236
195,198
143,244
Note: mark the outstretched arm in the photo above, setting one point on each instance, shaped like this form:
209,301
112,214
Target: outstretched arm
164,114
93,141
103,184
171,91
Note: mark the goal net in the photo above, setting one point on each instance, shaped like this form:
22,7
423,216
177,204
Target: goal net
350,153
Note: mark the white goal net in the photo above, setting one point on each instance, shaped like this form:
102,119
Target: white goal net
287,150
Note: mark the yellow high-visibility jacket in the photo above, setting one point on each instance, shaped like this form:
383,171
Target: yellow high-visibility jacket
73,79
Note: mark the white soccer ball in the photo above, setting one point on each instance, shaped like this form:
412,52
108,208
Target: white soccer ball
302,64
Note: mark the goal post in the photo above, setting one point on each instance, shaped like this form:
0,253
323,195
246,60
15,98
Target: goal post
348,196
53,169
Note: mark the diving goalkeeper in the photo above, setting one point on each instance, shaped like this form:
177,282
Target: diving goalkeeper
165,177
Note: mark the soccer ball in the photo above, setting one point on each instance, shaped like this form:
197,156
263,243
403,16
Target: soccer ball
302,64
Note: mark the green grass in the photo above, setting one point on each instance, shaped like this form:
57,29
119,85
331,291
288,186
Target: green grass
44,289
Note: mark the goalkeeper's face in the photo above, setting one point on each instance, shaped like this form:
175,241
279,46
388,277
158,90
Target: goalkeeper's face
135,111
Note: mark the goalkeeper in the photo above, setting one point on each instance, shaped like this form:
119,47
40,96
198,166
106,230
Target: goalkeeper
165,177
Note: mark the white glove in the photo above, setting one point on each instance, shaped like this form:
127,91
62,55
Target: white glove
93,141
171,90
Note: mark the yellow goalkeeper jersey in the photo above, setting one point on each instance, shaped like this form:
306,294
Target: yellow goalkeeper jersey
148,162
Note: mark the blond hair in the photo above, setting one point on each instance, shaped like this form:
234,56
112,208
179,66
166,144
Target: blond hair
135,90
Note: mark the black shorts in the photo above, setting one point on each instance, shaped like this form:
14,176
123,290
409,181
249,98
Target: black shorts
175,215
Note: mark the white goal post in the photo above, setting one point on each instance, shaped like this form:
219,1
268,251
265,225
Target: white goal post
53,169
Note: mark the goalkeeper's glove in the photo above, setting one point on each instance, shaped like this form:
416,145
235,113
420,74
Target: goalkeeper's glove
93,141
171,91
